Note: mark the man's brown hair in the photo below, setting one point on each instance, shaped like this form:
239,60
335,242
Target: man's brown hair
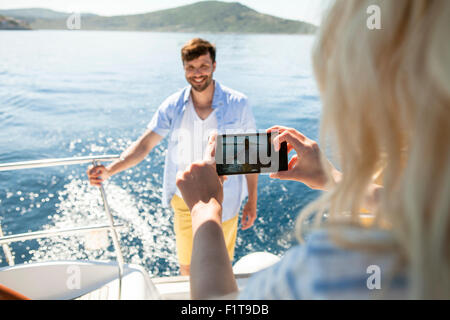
197,47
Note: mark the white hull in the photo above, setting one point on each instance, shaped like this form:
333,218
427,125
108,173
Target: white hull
96,280
63,280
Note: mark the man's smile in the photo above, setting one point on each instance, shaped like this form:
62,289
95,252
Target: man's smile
199,80
200,83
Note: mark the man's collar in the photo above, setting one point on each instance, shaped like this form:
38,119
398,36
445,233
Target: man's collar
187,94
216,98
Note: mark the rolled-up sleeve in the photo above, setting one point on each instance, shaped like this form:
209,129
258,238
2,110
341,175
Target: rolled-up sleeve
162,119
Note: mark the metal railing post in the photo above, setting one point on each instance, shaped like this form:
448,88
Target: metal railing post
8,255
114,236
60,162
54,233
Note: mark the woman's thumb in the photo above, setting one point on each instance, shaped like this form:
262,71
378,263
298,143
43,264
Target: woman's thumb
282,175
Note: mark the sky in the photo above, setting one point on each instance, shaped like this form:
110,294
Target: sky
304,10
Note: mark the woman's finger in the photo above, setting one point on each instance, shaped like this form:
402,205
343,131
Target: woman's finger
293,138
289,174
293,162
289,137
276,129
289,148
210,152
223,179
282,175
280,129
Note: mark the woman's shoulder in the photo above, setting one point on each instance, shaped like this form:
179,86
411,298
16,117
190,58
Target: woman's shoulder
322,268
279,280
348,238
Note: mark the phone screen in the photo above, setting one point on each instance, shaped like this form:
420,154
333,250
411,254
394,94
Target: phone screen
249,153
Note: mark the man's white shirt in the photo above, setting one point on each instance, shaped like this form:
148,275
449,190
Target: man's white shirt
193,137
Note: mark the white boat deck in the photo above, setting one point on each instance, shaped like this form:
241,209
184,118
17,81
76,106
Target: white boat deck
177,288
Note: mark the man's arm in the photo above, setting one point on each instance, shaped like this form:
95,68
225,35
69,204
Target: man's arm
135,153
249,212
132,156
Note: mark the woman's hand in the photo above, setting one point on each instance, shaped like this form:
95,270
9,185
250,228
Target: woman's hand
306,166
200,184
202,189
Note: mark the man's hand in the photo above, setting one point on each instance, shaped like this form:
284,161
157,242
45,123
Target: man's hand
248,215
97,175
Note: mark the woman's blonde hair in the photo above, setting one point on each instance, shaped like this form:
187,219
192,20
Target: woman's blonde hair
386,106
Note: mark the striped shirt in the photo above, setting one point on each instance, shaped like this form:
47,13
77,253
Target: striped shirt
320,269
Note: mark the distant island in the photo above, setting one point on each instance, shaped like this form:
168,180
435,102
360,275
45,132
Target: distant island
205,16
8,23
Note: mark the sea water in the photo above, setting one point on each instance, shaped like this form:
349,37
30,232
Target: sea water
78,93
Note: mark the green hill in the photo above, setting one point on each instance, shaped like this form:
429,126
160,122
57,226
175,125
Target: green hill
206,16
33,13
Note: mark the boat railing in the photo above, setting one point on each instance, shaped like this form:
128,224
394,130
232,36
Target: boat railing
110,226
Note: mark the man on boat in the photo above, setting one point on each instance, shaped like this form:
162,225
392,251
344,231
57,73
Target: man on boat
189,117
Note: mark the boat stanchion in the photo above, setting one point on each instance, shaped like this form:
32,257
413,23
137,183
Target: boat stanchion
114,235
7,250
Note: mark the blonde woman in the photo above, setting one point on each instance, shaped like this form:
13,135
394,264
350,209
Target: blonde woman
386,108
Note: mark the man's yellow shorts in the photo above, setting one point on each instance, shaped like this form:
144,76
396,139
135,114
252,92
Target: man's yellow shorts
183,231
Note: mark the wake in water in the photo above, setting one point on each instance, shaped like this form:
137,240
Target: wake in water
147,238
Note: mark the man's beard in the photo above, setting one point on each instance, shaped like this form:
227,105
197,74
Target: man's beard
200,87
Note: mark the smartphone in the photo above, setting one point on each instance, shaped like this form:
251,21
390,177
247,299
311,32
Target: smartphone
249,153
